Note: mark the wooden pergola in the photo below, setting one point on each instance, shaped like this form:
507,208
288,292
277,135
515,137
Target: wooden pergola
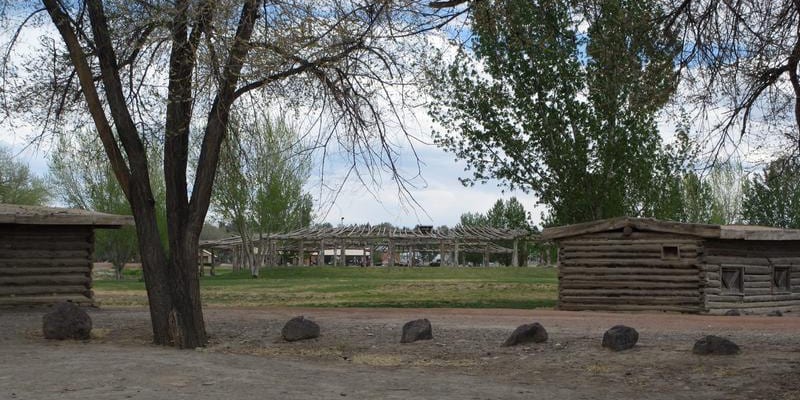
451,244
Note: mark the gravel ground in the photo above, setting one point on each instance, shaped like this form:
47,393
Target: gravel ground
359,356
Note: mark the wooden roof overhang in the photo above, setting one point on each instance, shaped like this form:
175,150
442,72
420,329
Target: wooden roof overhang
705,231
16,214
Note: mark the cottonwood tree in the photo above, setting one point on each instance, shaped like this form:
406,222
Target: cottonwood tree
259,187
173,72
567,114
17,184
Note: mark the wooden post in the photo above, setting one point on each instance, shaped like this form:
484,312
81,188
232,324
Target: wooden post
363,254
372,254
213,271
343,255
515,255
411,259
321,256
301,257
456,260
485,256
391,253
441,253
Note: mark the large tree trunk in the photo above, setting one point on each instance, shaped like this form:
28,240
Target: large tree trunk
154,267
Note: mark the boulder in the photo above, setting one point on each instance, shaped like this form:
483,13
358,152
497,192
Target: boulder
300,328
67,321
732,313
528,333
417,330
715,345
620,337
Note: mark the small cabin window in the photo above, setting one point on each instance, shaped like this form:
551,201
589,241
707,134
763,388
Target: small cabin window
670,253
732,280
781,280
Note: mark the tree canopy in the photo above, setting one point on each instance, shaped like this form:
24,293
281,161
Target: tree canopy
18,185
568,115
259,189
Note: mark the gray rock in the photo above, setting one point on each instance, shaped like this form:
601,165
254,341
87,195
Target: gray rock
620,337
67,321
528,333
417,330
776,313
300,328
715,345
732,313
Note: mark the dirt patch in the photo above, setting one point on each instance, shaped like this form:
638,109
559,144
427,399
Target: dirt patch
359,355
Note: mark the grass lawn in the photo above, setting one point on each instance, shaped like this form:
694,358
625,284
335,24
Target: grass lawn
496,287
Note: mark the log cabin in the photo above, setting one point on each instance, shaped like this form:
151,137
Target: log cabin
46,253
632,264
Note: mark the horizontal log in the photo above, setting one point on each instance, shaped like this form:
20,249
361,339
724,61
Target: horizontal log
650,293
40,300
573,306
757,278
43,290
649,278
640,235
751,284
7,254
748,298
628,247
684,300
595,270
784,303
750,269
749,251
55,244
45,262
46,280
624,262
621,255
786,260
627,284
4,271
736,260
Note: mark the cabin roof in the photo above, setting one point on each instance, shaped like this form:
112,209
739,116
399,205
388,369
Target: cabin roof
39,215
707,231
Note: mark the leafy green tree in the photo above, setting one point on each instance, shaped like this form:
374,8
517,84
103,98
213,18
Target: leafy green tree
772,198
542,106
259,186
17,184
80,177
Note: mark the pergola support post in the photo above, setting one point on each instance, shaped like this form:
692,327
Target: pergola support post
515,254
301,257
391,253
321,256
456,259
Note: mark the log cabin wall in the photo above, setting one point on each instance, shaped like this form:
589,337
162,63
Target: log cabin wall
752,275
637,271
44,264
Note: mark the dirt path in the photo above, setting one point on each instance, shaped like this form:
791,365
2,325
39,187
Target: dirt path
358,356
